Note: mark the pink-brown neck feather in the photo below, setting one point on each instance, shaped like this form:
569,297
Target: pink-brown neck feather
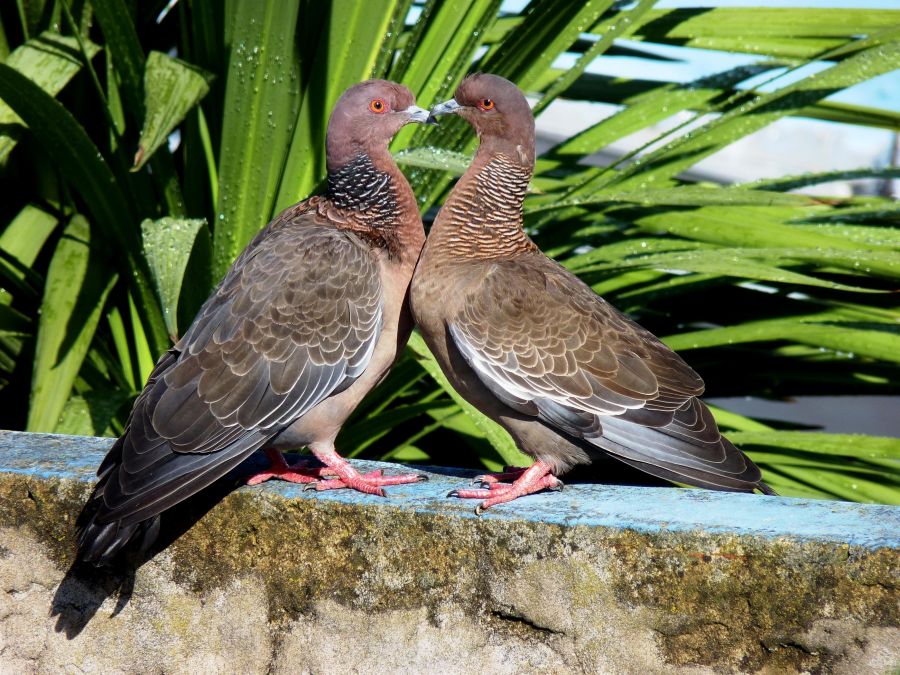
367,192
483,217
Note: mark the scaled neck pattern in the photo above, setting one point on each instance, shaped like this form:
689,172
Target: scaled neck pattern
485,212
361,189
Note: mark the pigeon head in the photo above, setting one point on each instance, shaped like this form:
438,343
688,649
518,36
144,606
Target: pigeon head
365,119
498,111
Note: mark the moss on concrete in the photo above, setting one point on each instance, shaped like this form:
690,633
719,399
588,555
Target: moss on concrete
583,598
46,506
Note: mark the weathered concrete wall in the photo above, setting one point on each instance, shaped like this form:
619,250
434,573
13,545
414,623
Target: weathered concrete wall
594,579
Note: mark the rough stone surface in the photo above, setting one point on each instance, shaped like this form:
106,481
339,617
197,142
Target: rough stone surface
608,580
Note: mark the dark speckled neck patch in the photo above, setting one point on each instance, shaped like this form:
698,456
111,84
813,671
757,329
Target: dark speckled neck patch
360,186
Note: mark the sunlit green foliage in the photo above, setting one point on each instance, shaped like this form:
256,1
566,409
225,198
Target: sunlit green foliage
109,241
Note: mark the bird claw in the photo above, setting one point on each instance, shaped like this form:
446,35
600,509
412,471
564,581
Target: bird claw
298,472
369,483
534,479
509,474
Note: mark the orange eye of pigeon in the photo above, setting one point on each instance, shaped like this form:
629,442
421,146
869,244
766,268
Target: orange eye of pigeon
486,104
377,106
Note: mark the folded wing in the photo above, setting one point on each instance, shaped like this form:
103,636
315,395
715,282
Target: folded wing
294,321
546,345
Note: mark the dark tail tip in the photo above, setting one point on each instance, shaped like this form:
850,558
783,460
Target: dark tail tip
101,543
765,489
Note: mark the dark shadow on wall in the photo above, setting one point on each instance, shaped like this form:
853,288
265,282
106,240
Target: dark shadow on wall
85,587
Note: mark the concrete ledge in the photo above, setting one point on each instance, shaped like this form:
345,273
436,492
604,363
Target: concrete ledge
594,579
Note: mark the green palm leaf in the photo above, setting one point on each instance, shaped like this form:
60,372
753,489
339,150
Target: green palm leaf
785,293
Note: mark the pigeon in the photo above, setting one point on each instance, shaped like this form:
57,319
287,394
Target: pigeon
571,378
308,319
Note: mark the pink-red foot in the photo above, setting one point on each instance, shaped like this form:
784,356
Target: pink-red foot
370,483
509,473
535,478
348,477
300,472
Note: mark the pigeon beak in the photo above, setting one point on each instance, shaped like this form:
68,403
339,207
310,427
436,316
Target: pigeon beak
444,108
417,114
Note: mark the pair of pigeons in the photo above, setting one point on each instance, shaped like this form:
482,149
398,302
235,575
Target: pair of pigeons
317,308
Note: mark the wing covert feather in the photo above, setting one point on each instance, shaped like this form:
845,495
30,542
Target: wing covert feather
537,332
295,320
547,346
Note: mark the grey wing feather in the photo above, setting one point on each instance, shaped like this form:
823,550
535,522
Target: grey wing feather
545,345
295,320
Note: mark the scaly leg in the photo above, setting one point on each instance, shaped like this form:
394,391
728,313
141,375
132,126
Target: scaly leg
348,477
299,472
509,473
535,478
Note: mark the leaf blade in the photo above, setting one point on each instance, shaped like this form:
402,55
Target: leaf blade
74,296
172,88
168,243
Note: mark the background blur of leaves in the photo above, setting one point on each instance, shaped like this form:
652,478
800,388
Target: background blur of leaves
138,156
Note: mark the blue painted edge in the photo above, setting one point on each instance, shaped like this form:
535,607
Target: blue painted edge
643,509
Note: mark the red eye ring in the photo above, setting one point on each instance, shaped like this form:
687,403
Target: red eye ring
486,104
377,105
